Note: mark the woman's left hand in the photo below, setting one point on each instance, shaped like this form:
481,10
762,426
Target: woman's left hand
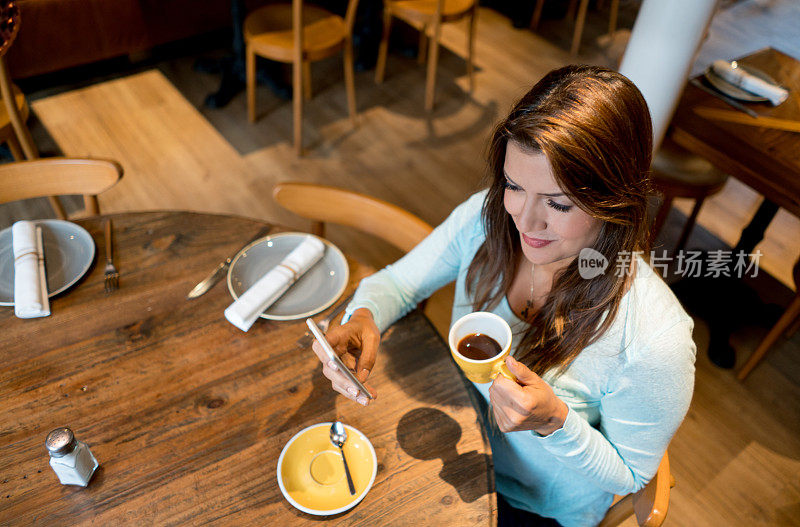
528,404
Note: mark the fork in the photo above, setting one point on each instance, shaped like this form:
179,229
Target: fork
306,340
111,273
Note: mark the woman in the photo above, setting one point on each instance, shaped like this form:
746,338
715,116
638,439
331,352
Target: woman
605,364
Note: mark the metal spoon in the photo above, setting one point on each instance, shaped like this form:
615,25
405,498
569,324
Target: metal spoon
338,437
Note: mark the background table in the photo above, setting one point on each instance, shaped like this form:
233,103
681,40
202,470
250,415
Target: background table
187,414
763,158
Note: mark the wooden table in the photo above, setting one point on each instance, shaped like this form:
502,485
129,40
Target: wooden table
187,414
764,158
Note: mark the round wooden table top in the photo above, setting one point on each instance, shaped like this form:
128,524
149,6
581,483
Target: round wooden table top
187,414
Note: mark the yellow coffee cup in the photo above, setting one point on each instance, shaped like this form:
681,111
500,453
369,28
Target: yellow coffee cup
491,325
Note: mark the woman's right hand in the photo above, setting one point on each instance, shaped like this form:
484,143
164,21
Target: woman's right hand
356,344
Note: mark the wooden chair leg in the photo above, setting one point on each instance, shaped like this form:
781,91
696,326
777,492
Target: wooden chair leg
383,49
58,208
473,22
422,50
16,149
14,115
690,222
796,324
349,80
793,328
792,312
612,17
91,205
433,59
661,216
572,9
307,80
250,74
297,99
537,15
576,36
318,228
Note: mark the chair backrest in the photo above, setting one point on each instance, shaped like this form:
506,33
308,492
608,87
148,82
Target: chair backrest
321,204
297,17
59,176
350,15
649,504
444,11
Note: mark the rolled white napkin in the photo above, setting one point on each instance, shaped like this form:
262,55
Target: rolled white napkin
247,308
30,284
746,81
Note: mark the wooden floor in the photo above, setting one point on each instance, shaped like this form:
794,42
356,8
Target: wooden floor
736,458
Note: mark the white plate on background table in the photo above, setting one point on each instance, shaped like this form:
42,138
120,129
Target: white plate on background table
68,254
317,289
734,91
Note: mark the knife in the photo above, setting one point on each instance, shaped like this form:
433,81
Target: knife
217,274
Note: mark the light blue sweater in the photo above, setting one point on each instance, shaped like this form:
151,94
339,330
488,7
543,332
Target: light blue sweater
627,393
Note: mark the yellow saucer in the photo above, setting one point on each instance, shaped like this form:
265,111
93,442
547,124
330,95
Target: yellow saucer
311,473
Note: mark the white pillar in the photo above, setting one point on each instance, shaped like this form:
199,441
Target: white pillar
660,53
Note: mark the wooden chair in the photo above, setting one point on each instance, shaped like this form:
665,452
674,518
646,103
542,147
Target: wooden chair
789,320
274,32
677,173
371,215
59,176
580,19
428,16
649,504
15,111
8,134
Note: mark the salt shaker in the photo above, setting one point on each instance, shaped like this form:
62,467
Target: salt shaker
71,459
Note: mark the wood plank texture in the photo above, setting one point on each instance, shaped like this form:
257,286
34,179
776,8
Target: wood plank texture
174,158
187,415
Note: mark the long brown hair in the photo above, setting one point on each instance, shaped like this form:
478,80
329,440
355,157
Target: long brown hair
594,128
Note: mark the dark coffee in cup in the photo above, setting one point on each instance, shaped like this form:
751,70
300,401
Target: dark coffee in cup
477,346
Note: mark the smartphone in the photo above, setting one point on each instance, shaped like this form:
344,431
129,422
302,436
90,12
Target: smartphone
335,358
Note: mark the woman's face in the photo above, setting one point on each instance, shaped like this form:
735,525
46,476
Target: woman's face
552,228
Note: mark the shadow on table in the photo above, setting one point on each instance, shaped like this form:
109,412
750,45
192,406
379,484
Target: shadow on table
413,351
428,433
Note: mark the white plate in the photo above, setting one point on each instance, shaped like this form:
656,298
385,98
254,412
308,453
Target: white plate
734,91
316,290
68,254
